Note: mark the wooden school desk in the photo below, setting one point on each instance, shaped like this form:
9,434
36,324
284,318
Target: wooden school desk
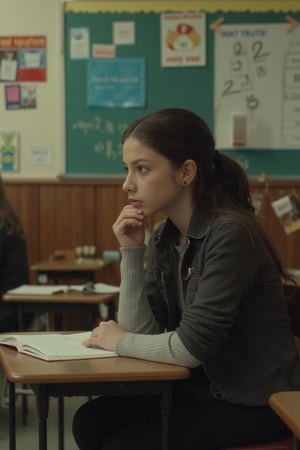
56,269
109,376
287,406
60,303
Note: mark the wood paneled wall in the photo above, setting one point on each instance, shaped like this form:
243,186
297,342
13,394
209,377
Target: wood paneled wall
287,245
66,214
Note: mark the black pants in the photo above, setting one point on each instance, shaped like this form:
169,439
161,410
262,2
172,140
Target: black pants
198,422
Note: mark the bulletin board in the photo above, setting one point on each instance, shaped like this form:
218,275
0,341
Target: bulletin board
93,133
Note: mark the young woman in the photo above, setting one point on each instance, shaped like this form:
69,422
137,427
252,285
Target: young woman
13,261
210,299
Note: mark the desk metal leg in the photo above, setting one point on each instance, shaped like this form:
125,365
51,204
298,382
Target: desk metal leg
112,305
58,321
24,406
296,443
12,417
60,404
90,318
21,315
42,401
166,403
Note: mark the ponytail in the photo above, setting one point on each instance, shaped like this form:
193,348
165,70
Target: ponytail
227,184
231,192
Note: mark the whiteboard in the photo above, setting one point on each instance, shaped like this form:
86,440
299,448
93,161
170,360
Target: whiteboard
257,87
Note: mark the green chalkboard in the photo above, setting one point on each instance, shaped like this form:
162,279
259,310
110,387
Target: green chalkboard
93,133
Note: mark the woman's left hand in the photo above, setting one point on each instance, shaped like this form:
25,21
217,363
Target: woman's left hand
106,336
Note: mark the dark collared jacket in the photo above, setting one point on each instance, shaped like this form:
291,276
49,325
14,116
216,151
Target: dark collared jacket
235,319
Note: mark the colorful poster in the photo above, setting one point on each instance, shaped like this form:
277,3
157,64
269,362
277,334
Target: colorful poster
183,39
20,96
13,96
9,151
22,58
116,83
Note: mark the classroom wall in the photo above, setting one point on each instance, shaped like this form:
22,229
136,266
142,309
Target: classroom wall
44,126
66,214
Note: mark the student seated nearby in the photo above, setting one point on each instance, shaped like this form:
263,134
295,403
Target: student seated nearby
211,298
13,260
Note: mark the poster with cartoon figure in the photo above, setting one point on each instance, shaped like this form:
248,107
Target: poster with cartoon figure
183,39
9,151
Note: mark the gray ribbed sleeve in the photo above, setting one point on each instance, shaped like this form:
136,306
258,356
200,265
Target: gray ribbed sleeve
145,339
134,313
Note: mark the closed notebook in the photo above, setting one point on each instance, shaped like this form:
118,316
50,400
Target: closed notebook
54,346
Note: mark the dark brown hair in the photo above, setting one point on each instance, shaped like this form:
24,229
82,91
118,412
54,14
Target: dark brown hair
178,135
8,218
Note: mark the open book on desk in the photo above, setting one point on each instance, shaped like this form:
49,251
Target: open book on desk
44,289
54,346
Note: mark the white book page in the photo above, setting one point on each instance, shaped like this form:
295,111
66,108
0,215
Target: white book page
56,346
36,289
96,288
103,288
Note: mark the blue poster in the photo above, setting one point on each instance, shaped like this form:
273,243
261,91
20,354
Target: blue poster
116,83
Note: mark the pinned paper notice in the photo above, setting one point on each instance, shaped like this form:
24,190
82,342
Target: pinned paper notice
8,71
104,51
41,156
287,209
32,59
79,43
124,33
239,130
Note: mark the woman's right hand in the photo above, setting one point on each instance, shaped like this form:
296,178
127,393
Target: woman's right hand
129,228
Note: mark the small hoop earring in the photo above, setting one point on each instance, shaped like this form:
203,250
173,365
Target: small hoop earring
184,183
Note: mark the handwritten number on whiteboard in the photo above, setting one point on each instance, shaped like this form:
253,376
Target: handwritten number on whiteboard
229,89
257,49
236,65
238,49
